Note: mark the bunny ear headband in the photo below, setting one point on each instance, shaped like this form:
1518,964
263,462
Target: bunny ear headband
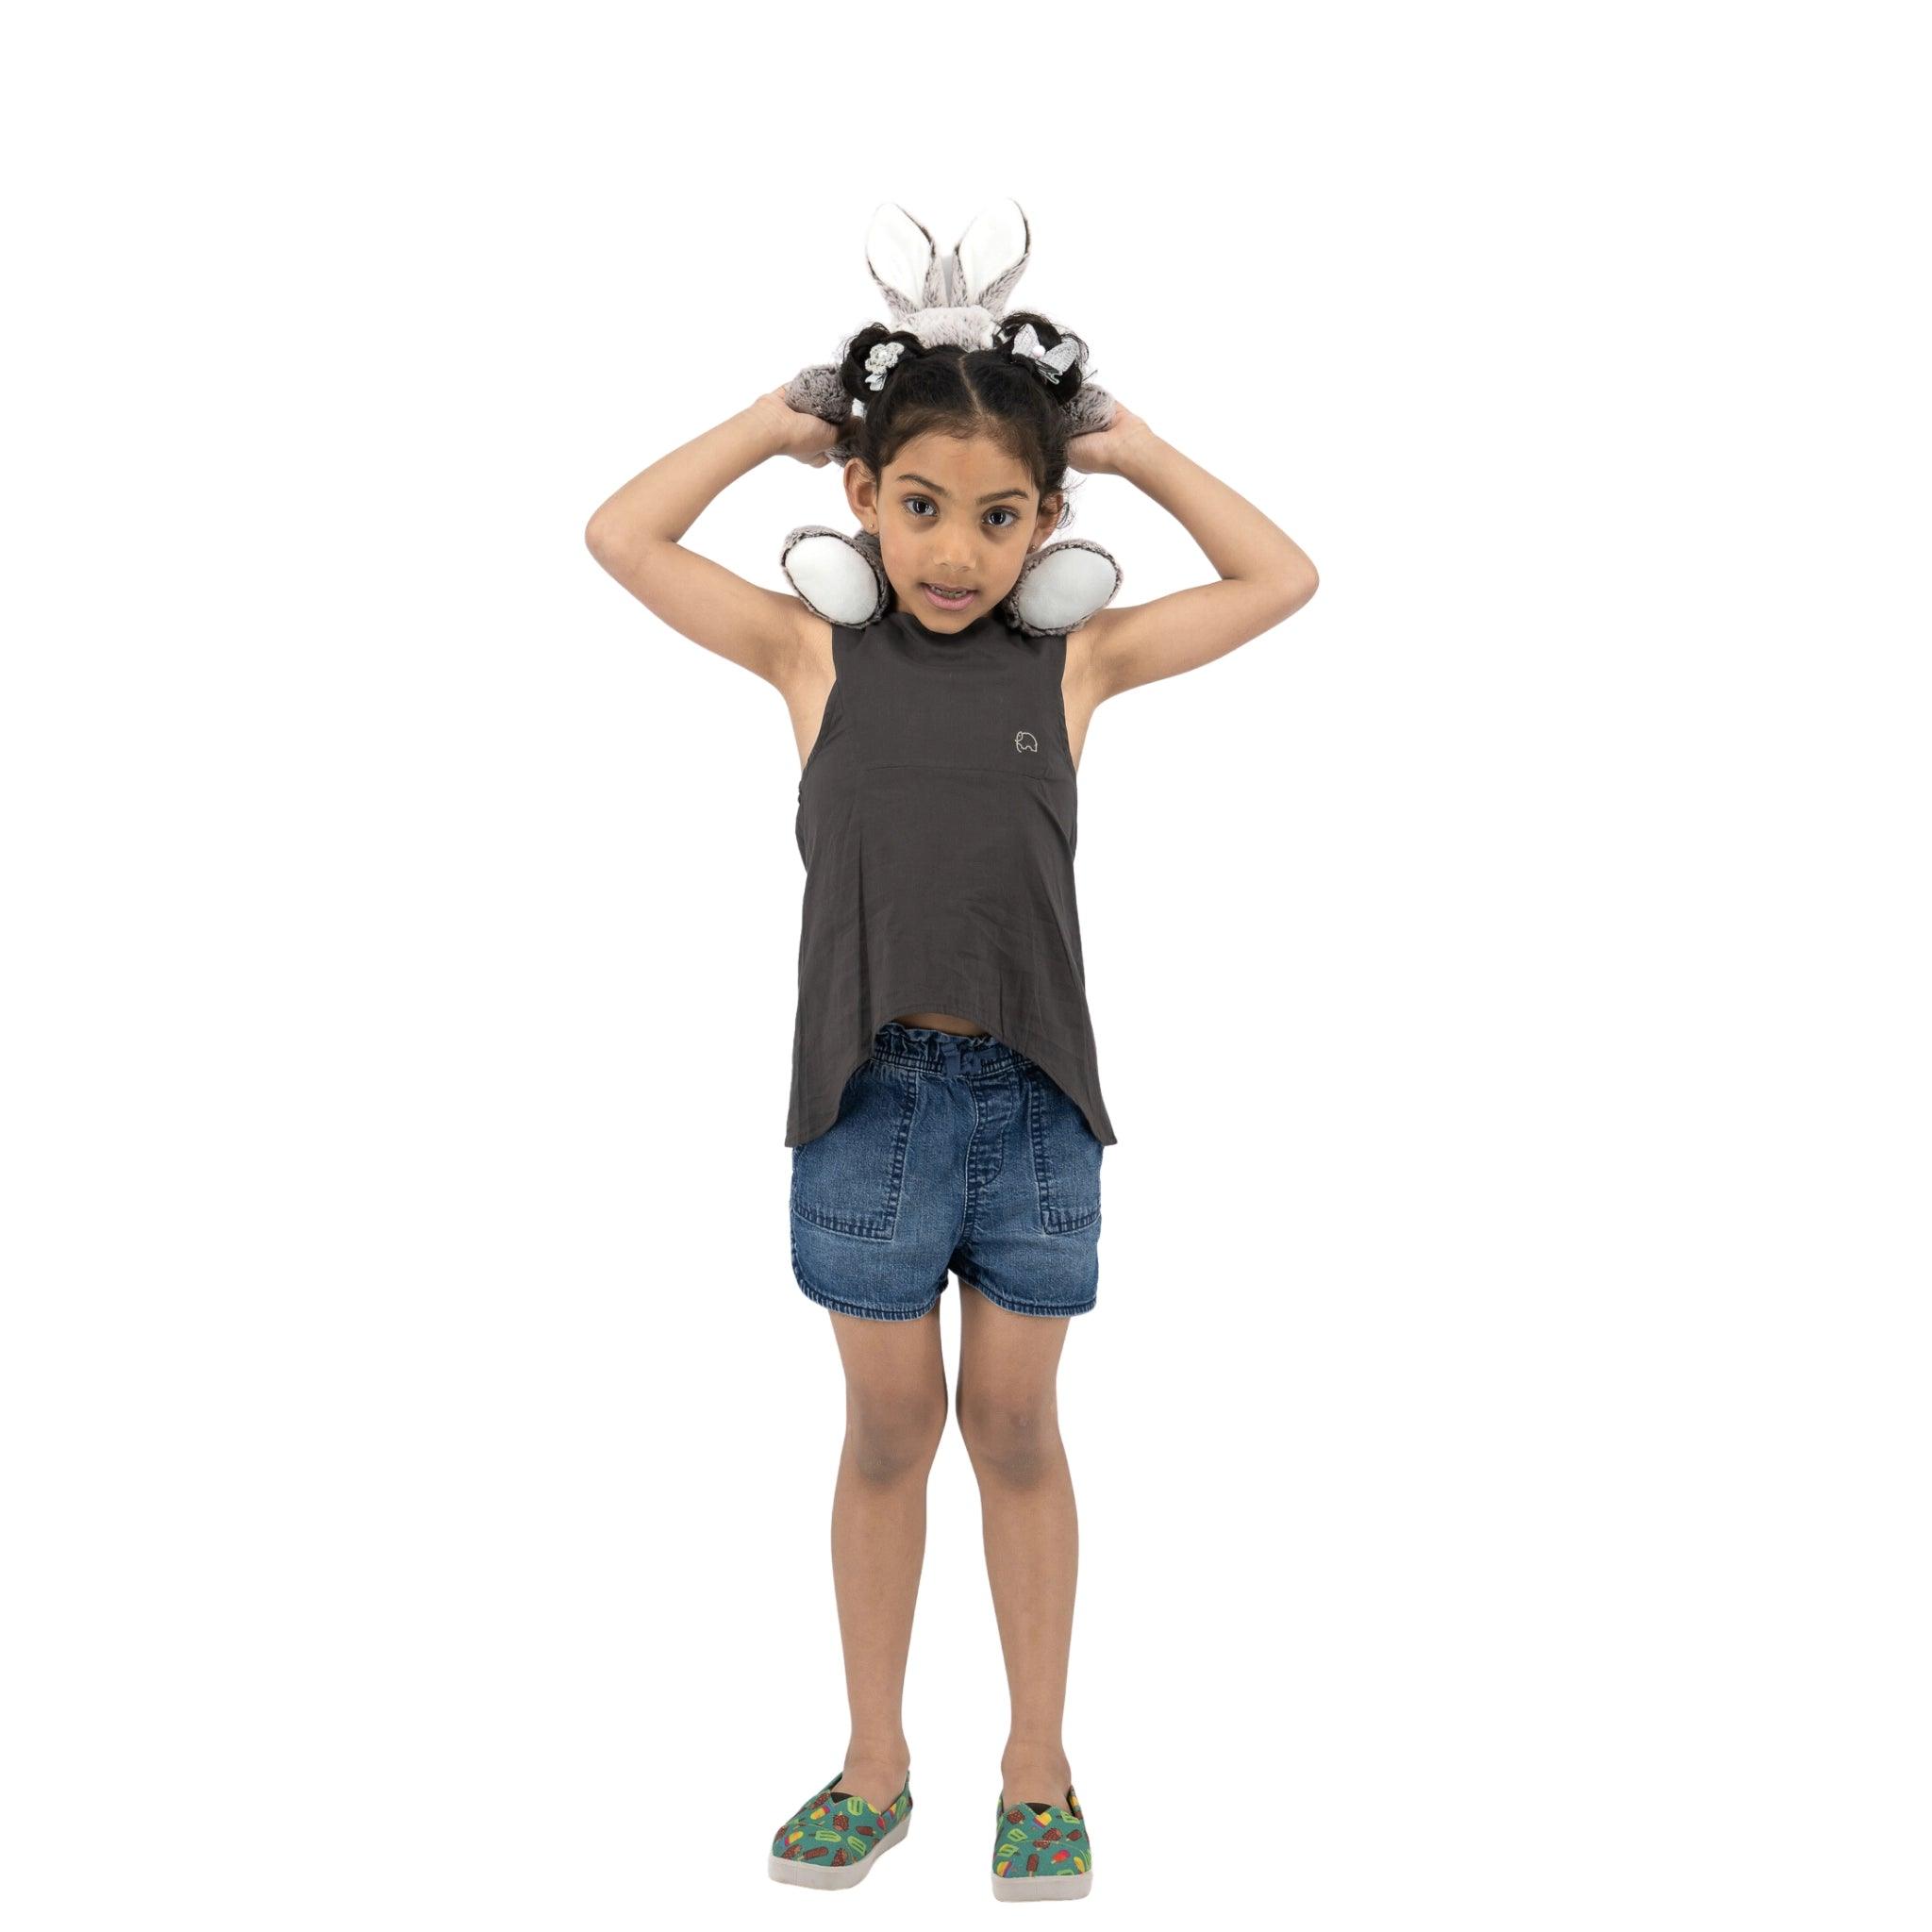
957,299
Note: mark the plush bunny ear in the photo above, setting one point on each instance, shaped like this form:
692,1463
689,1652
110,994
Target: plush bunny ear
985,264
904,262
837,577
990,256
1063,585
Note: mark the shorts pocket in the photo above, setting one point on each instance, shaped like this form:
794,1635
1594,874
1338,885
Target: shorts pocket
1066,1157
850,1179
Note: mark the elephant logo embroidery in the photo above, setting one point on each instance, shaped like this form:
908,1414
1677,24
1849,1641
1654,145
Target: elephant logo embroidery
1025,741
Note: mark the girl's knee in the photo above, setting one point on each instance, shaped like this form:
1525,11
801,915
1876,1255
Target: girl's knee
1016,1439
893,1433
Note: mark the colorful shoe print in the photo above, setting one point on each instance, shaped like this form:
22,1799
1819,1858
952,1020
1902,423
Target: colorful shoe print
834,1838
1042,1852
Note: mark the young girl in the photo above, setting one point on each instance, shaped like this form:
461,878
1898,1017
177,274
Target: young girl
946,1115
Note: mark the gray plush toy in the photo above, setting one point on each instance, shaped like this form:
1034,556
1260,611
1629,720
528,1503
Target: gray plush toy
957,301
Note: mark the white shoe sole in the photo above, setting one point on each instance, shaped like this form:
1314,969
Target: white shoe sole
836,1877
1054,1885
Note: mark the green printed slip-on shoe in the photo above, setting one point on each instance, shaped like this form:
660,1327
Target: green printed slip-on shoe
834,1838
1042,1852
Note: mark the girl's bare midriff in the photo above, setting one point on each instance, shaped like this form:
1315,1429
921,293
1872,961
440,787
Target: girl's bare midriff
944,1022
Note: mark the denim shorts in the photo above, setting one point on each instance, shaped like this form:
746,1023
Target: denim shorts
951,1153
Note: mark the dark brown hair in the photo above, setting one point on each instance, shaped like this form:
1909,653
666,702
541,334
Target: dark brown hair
953,391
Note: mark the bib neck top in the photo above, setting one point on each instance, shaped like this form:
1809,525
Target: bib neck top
938,814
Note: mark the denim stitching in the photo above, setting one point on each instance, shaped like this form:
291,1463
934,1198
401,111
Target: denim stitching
844,1307
883,1226
999,1299
1053,1218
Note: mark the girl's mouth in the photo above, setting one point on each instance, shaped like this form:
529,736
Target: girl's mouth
945,603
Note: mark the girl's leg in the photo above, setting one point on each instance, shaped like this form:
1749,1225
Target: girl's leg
896,1414
1008,1414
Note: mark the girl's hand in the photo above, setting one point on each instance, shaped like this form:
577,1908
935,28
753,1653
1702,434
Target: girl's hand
1098,453
797,434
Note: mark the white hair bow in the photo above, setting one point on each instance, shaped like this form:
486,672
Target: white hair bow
1054,362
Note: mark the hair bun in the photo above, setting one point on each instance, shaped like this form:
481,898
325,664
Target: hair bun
872,356
1056,358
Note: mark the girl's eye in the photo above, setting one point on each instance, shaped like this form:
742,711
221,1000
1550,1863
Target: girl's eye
998,510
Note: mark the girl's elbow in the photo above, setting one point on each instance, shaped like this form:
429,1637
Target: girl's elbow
1300,588
597,534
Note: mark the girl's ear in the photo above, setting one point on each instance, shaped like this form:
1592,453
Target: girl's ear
861,488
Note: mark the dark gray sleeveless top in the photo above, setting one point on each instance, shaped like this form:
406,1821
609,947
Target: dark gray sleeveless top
937,819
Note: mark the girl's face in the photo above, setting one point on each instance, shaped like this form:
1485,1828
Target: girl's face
951,514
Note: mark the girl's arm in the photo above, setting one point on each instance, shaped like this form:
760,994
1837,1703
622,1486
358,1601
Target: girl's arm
635,534
1265,575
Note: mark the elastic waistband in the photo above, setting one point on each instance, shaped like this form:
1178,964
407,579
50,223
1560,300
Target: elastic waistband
931,1050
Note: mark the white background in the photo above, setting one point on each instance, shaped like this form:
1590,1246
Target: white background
1500,1441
